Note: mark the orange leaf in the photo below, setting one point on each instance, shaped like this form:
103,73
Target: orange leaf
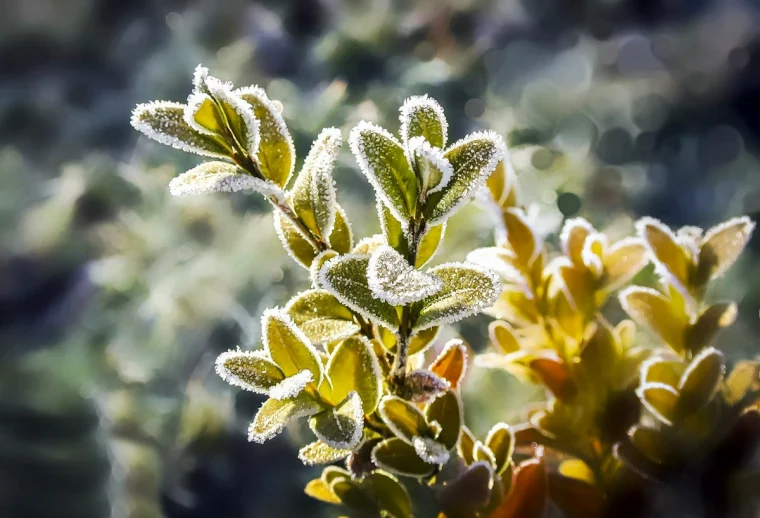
451,363
527,499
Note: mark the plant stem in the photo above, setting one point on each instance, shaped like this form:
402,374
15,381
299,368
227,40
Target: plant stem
398,371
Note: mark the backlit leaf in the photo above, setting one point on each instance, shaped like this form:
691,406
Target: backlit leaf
433,170
709,323
275,414
622,261
342,238
318,452
466,446
353,366
404,419
318,489
346,278
422,116
451,363
382,160
430,450
467,289
469,492
393,280
652,309
164,122
744,378
399,457
294,242
501,442
723,244
288,346
321,316
673,261
340,427
313,194
530,491
521,236
701,380
429,244
389,495
446,410
473,158
660,400
249,370
276,155
239,116
213,177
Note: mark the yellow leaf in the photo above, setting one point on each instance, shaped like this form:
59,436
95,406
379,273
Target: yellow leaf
652,309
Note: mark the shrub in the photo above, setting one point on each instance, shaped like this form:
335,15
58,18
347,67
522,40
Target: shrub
345,354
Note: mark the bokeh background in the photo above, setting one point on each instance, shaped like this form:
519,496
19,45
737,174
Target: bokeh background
115,298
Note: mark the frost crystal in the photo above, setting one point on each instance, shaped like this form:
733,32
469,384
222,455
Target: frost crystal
164,122
430,451
292,386
393,280
218,177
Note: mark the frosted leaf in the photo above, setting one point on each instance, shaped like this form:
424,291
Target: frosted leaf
316,265
367,245
276,154
430,243
353,367
422,116
660,399
342,237
318,453
346,278
382,160
500,260
672,261
403,418
313,194
434,170
288,346
723,243
199,78
249,370
399,457
342,426
393,280
293,240
573,237
292,386
240,116
213,177
623,260
473,158
430,451
164,122
202,115
275,414
321,316
593,253
467,290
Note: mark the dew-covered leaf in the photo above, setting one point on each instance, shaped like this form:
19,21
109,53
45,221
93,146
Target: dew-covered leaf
353,366
399,457
213,177
164,122
319,452
403,418
346,278
275,414
288,346
473,158
382,160
249,370
422,116
340,427
313,194
451,363
501,442
467,290
393,280
652,309
446,410
660,399
421,340
276,154
321,316
701,380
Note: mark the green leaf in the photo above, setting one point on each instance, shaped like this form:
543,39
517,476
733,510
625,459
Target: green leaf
473,158
321,316
433,170
387,492
340,427
298,248
467,290
393,280
398,457
276,155
382,160
501,442
421,340
341,239
212,177
346,278
203,115
404,419
422,116
318,489
319,452
446,410
317,263
393,232
430,244
239,116
353,367
466,446
249,370
288,346
275,414
313,195
164,122
701,380
660,399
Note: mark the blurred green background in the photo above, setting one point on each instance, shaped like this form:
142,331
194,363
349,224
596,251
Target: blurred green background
115,298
